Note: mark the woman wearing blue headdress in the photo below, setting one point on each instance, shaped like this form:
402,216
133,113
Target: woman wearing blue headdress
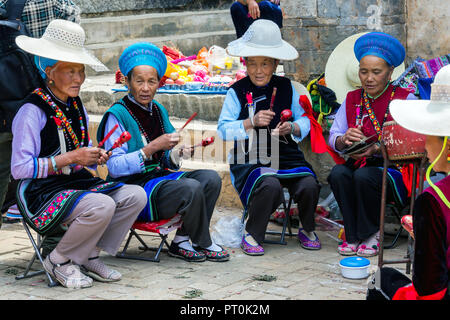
357,183
146,158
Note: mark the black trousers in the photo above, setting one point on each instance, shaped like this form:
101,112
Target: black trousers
358,194
194,197
268,195
241,20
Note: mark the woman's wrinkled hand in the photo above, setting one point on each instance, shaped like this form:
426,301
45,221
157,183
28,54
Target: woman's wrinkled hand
88,156
263,118
282,129
104,157
368,153
352,135
167,141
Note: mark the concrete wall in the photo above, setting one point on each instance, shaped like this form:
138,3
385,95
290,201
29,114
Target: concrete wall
428,28
316,27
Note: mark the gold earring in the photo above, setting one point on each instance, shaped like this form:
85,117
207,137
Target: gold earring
51,82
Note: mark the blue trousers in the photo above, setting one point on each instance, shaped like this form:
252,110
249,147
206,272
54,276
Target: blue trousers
241,20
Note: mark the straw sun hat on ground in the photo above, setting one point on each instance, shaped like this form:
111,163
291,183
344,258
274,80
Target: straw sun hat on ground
262,38
430,117
341,70
63,41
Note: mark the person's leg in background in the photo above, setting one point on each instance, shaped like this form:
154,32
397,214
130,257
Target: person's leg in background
193,197
5,165
305,192
271,11
241,20
342,185
265,199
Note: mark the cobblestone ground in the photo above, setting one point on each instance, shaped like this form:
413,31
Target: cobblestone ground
285,272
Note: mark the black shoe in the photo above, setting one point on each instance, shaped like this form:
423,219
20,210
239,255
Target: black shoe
211,255
188,255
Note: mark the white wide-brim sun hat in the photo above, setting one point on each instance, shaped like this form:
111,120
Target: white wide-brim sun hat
62,41
262,39
429,117
301,90
342,68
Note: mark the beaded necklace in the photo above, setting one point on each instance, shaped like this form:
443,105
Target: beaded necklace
64,123
366,103
141,128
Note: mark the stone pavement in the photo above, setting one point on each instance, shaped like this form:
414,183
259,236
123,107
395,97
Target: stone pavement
295,274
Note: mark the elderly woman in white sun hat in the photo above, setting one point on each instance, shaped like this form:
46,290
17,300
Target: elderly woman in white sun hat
51,147
431,216
266,156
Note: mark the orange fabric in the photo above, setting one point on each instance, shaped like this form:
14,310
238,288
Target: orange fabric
318,144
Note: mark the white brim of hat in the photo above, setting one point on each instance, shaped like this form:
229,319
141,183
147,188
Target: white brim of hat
242,48
52,50
422,116
336,73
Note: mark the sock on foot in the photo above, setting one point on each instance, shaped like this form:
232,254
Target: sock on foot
372,240
251,240
212,247
97,266
182,243
57,258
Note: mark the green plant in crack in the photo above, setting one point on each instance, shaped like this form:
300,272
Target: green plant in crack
194,293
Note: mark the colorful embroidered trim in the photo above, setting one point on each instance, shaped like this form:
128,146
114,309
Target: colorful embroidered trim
53,209
141,128
254,177
149,213
398,186
64,124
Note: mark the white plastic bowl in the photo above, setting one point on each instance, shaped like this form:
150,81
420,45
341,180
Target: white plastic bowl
355,267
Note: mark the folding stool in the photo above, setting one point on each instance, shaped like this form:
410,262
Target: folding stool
161,228
37,253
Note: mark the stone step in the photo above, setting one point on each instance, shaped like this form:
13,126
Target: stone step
97,96
228,196
152,25
188,44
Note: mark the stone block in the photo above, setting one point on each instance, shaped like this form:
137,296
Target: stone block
343,8
302,38
309,65
299,9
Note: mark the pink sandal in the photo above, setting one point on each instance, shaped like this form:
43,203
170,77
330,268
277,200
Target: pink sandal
365,251
346,249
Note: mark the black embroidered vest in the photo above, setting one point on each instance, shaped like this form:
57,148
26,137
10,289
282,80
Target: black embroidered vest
150,122
50,144
290,155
